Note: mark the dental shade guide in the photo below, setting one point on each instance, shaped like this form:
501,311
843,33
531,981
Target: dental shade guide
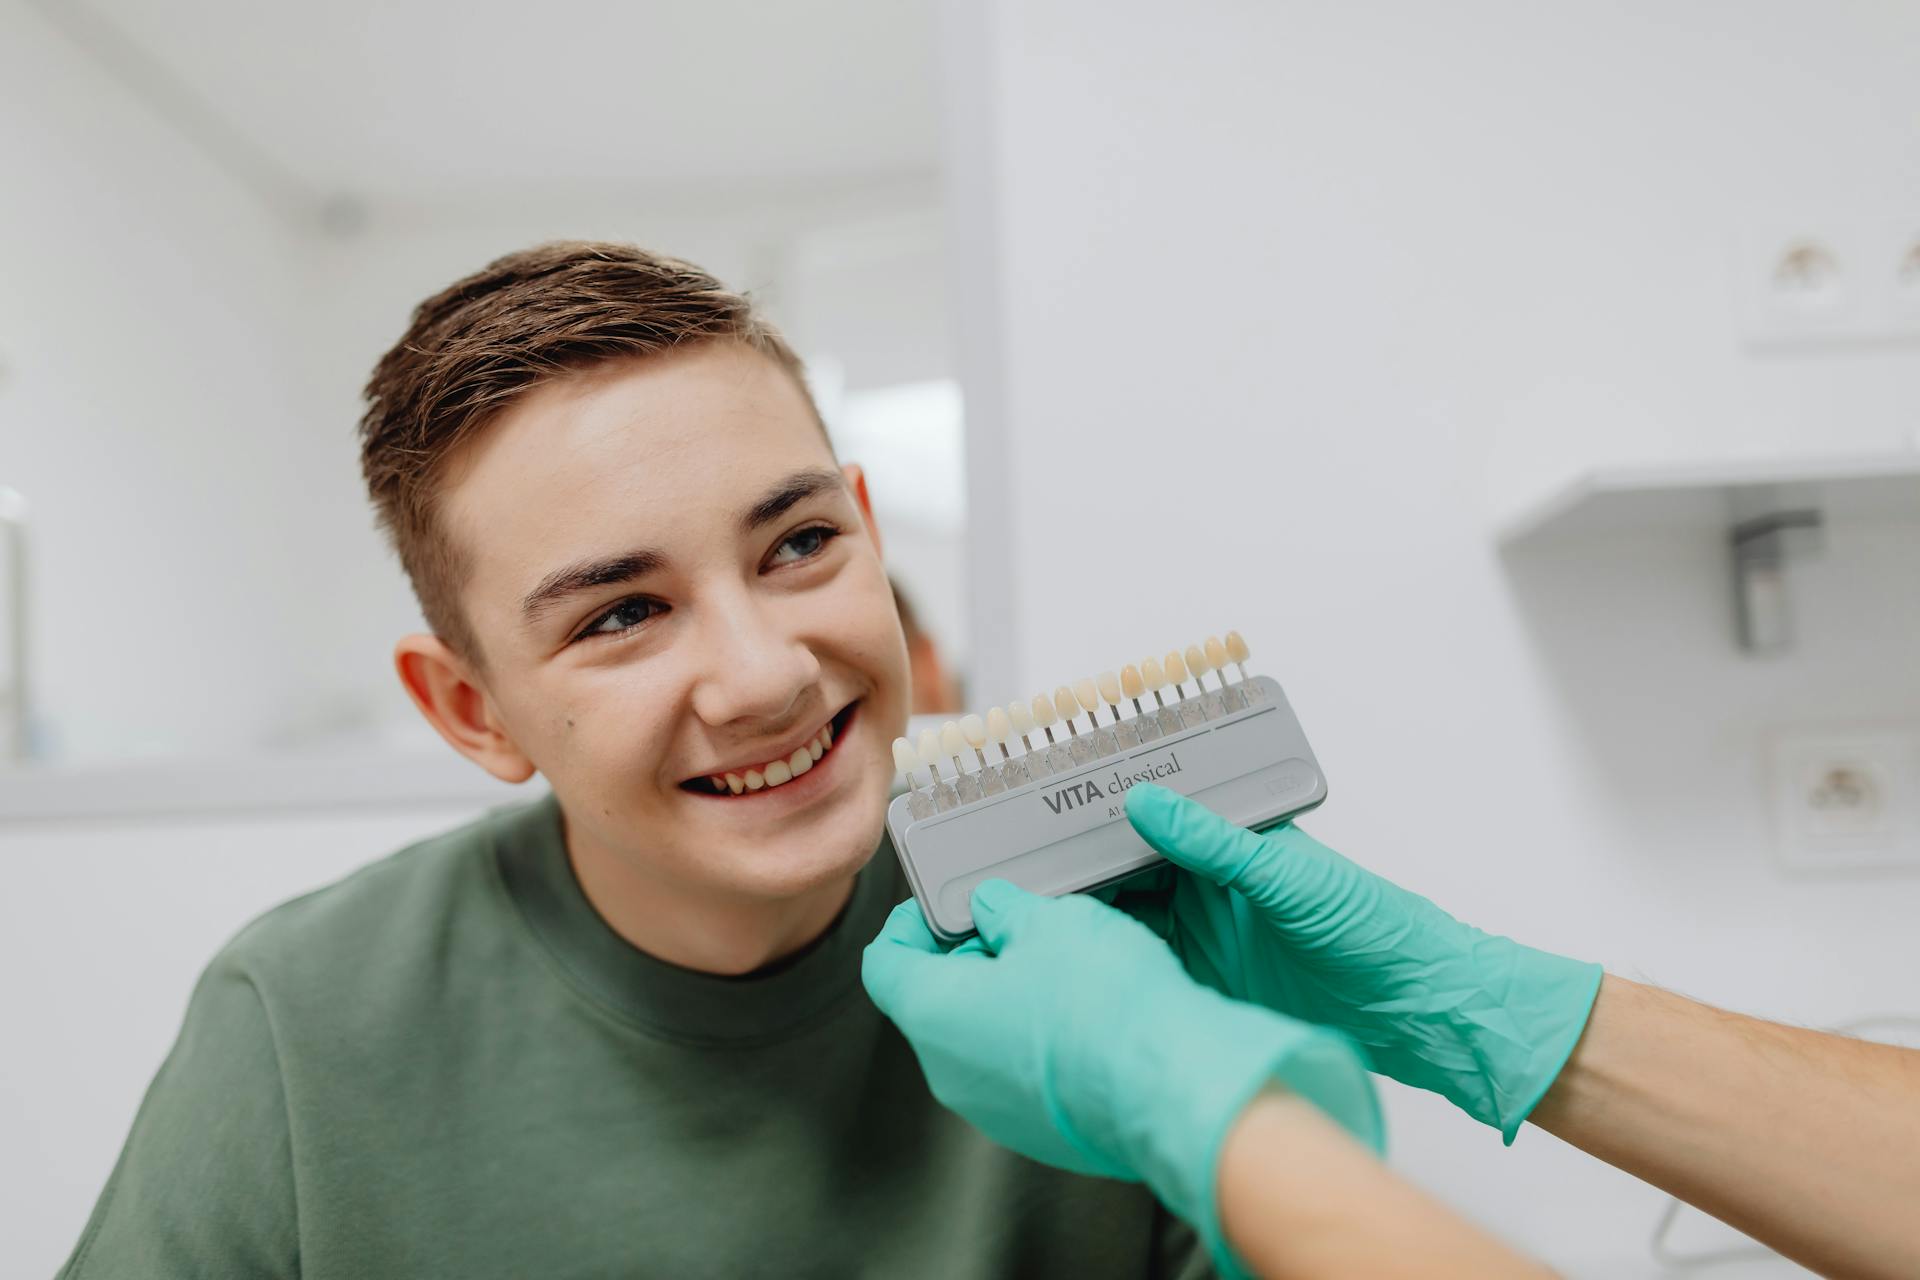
1032,766
1052,817
941,793
1146,725
1191,714
1125,736
1059,760
1231,699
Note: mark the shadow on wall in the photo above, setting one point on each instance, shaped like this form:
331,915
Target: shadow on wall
1634,638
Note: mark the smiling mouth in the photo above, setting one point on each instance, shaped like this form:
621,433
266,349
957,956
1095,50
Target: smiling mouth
772,775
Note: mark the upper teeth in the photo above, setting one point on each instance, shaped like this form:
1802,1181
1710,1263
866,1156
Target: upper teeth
776,772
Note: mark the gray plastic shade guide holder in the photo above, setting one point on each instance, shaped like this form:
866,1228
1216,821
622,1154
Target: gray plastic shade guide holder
1069,833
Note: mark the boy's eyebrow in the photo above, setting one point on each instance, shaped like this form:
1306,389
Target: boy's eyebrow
585,576
795,489
607,570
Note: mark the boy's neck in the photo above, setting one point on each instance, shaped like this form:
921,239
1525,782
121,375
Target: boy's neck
708,933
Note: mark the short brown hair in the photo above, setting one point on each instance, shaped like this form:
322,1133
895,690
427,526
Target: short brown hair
478,345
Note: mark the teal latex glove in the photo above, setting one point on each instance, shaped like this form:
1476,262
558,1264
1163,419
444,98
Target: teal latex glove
1282,920
1069,1032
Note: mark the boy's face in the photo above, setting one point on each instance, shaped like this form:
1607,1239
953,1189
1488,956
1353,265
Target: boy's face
673,580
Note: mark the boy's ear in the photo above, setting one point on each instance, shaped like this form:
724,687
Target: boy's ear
857,485
441,685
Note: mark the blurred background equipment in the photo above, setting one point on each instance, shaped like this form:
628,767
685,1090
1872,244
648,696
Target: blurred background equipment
935,691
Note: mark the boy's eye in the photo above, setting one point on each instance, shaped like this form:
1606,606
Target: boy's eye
623,617
803,544
796,547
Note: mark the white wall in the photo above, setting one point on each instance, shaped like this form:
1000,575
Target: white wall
145,413
1296,296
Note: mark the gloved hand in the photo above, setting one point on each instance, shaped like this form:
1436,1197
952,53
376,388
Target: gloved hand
1068,1032
1281,920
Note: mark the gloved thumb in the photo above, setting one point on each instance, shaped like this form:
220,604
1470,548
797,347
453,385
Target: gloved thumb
1193,836
1000,909
898,956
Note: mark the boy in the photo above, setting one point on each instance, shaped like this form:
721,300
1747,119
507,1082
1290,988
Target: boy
619,1030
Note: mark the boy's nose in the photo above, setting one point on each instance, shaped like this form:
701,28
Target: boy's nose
751,668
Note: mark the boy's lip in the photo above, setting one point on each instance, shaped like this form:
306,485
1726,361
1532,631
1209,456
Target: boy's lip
800,791
837,720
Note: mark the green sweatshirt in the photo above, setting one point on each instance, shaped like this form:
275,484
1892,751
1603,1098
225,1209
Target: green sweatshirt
448,1065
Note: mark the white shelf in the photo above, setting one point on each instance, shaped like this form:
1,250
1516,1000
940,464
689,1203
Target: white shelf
1716,495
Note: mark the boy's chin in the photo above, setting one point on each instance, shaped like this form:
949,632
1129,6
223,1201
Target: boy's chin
783,873
805,860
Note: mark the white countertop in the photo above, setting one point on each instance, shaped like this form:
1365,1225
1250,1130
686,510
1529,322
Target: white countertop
334,778
394,768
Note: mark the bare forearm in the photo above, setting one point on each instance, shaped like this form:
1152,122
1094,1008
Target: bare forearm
1299,1198
1804,1141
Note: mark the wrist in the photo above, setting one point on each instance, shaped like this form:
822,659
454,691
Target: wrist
1207,1062
1566,994
1496,1045
1299,1197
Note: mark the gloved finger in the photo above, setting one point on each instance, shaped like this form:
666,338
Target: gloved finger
1193,836
1001,909
898,956
907,927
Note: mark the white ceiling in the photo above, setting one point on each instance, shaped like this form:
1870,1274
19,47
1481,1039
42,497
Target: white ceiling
413,99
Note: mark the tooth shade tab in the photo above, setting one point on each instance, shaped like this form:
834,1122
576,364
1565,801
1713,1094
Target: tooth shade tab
1152,675
1176,667
951,743
1043,710
1065,703
1087,694
1109,684
974,730
1022,717
1130,682
904,757
930,750
1237,647
1216,653
1197,661
999,727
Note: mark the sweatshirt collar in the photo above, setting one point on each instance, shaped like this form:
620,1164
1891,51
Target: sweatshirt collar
672,1002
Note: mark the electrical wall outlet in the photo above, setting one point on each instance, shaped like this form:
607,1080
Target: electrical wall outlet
1845,799
1829,277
